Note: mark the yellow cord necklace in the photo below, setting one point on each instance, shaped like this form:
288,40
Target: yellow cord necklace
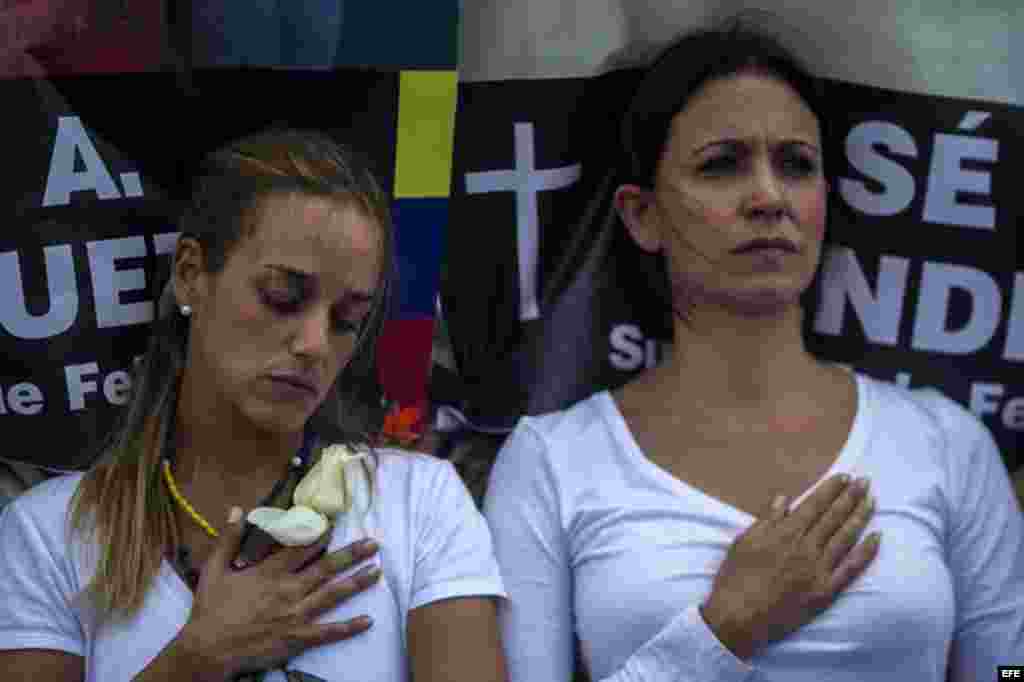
298,462
183,503
183,554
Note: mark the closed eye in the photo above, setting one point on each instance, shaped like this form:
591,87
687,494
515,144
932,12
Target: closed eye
288,304
283,302
286,292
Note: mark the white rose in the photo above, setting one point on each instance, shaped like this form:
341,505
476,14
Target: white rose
328,487
297,526
335,484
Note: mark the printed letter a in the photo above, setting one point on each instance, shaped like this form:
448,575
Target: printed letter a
73,142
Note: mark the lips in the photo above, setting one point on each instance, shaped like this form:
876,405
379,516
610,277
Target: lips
760,244
297,381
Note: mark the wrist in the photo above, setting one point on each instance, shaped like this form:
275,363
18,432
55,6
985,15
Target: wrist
729,629
187,653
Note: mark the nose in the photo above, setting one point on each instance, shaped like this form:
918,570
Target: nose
766,201
312,338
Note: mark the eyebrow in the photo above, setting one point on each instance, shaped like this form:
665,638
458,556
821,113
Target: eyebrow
355,295
736,140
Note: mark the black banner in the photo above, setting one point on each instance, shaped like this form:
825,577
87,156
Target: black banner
103,162
920,280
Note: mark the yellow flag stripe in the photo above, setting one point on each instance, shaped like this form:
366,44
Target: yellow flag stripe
426,133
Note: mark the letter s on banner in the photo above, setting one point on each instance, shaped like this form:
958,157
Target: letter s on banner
627,341
897,182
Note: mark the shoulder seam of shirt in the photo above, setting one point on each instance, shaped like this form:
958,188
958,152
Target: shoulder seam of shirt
545,455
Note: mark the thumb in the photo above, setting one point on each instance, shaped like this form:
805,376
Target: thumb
230,539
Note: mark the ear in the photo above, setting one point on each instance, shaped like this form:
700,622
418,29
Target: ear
189,273
635,205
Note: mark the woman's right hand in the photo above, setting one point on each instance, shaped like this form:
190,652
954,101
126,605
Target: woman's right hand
262,616
789,567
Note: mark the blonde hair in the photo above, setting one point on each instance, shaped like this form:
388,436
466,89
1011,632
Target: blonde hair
122,505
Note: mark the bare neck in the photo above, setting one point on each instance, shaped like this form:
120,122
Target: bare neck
732,361
214,445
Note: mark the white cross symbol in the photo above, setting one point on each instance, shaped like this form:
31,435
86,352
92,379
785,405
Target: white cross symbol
526,181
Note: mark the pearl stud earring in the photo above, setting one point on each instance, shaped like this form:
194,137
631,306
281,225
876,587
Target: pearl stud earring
186,310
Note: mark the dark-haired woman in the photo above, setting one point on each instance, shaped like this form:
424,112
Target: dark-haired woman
262,345
705,522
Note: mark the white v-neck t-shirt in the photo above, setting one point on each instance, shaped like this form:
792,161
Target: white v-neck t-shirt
596,540
434,544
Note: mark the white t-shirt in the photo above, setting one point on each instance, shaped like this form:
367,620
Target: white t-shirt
595,539
434,545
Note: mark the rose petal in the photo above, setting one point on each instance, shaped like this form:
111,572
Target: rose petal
262,516
323,487
297,526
